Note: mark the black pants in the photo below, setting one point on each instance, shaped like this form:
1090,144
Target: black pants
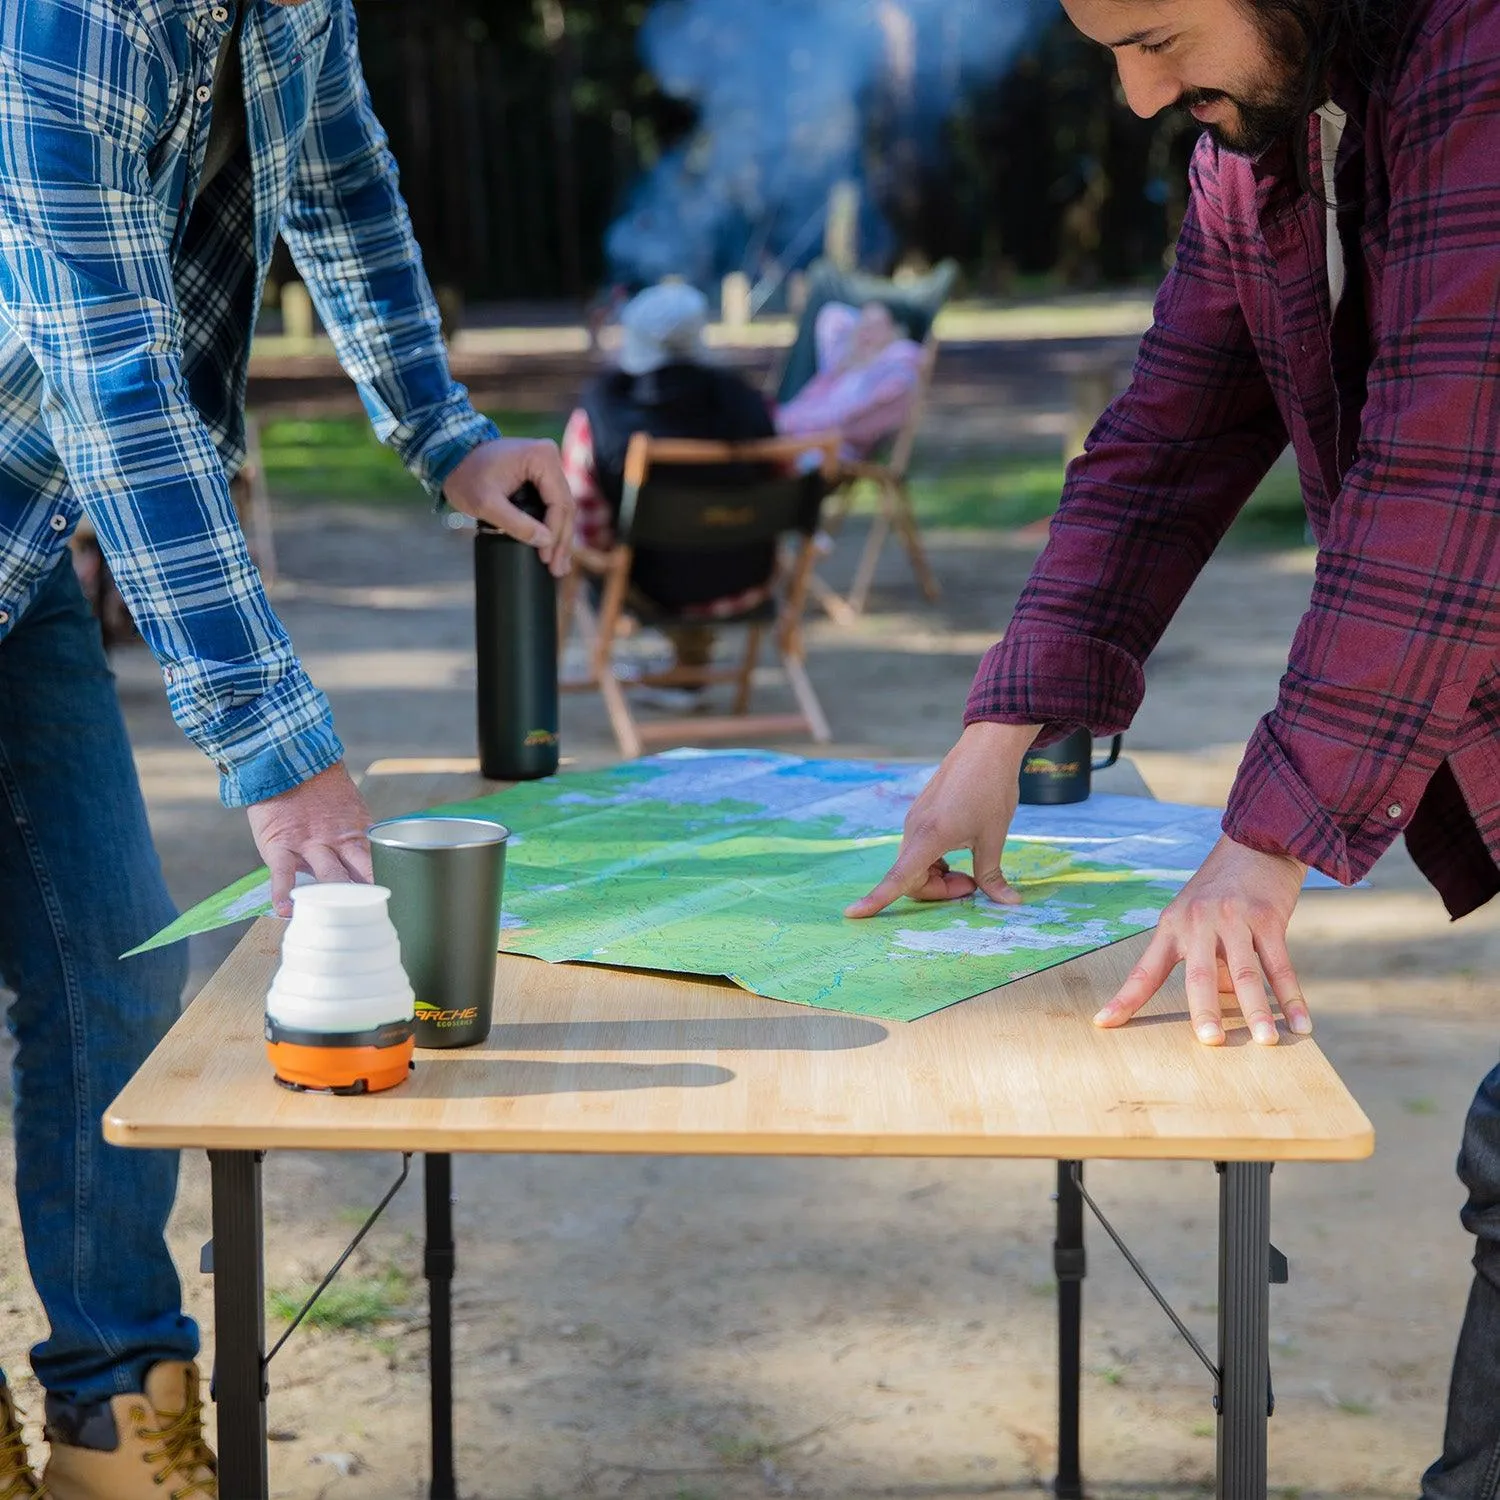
1470,1466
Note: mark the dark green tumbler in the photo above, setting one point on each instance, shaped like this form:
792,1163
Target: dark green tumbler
515,639
445,876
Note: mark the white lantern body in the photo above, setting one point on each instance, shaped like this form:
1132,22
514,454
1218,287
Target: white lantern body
339,1013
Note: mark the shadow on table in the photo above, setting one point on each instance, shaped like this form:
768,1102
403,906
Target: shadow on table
811,1033
444,1075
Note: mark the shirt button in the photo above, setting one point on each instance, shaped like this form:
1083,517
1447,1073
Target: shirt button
59,523
219,14
203,93
1394,811
4,617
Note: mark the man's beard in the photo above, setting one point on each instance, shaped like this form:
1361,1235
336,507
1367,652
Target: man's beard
1275,110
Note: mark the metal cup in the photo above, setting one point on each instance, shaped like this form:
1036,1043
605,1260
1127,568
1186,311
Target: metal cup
445,876
1063,772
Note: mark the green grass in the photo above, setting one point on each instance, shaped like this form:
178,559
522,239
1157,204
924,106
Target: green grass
352,1304
984,494
338,458
742,1451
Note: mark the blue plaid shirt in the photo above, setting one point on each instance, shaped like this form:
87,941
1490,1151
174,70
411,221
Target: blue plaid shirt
126,312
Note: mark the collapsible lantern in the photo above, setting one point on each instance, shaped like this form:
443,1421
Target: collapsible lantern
339,1013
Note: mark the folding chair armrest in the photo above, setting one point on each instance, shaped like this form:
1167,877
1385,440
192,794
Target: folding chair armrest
646,452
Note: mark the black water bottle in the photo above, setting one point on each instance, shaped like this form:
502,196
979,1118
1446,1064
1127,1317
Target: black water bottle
515,634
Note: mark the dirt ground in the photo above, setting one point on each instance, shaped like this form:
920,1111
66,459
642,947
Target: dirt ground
701,1330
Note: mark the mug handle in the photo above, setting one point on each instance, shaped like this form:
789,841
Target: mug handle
1115,746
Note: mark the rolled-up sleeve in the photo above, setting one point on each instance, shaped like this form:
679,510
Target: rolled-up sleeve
86,282
1404,624
1163,475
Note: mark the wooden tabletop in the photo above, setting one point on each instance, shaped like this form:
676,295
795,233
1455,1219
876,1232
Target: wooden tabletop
586,1059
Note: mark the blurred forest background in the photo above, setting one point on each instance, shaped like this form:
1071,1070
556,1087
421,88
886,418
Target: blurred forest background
553,147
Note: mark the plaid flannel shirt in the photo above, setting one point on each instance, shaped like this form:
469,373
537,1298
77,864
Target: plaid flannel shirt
126,313
1388,718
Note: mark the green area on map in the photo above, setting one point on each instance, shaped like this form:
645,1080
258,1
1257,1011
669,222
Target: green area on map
740,863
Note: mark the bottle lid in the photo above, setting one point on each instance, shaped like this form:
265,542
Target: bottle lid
528,500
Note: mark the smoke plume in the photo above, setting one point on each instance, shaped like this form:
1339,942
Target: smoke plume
788,93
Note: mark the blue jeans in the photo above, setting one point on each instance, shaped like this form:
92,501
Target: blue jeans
1470,1466
79,884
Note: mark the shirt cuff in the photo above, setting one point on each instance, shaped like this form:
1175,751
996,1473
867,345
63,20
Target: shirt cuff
1059,681
1272,809
276,741
437,448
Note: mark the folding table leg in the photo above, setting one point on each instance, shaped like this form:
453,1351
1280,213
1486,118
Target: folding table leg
239,1377
1068,1259
1244,1328
439,1264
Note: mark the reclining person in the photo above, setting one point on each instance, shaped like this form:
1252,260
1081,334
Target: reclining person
867,380
663,384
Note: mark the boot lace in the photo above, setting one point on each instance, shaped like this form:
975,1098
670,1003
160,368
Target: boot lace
182,1452
15,1467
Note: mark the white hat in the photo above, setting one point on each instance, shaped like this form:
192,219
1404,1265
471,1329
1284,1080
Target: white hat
662,326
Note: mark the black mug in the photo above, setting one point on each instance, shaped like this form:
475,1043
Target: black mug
1062,772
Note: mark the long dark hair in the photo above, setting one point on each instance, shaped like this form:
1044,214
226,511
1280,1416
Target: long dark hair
1361,37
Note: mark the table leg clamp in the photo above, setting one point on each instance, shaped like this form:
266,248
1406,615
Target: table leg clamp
1069,1262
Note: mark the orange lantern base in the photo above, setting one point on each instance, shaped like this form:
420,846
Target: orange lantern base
334,1069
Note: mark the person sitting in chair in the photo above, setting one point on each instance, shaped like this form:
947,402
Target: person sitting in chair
663,384
867,380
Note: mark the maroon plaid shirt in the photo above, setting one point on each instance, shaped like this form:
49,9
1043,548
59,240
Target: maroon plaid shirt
1388,718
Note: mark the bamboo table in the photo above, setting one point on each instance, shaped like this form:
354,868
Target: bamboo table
584,1059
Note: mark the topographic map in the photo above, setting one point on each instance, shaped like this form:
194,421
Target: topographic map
739,863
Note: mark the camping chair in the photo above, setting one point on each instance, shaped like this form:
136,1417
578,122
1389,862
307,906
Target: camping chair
915,306
692,513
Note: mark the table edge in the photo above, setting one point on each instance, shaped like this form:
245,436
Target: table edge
1356,1147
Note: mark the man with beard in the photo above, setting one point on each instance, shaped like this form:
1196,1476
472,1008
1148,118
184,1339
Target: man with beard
153,150
1337,285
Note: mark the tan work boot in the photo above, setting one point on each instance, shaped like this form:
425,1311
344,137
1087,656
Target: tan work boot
140,1447
17,1482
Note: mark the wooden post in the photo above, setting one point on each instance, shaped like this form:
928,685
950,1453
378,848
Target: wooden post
298,320
450,301
1093,390
734,300
841,236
